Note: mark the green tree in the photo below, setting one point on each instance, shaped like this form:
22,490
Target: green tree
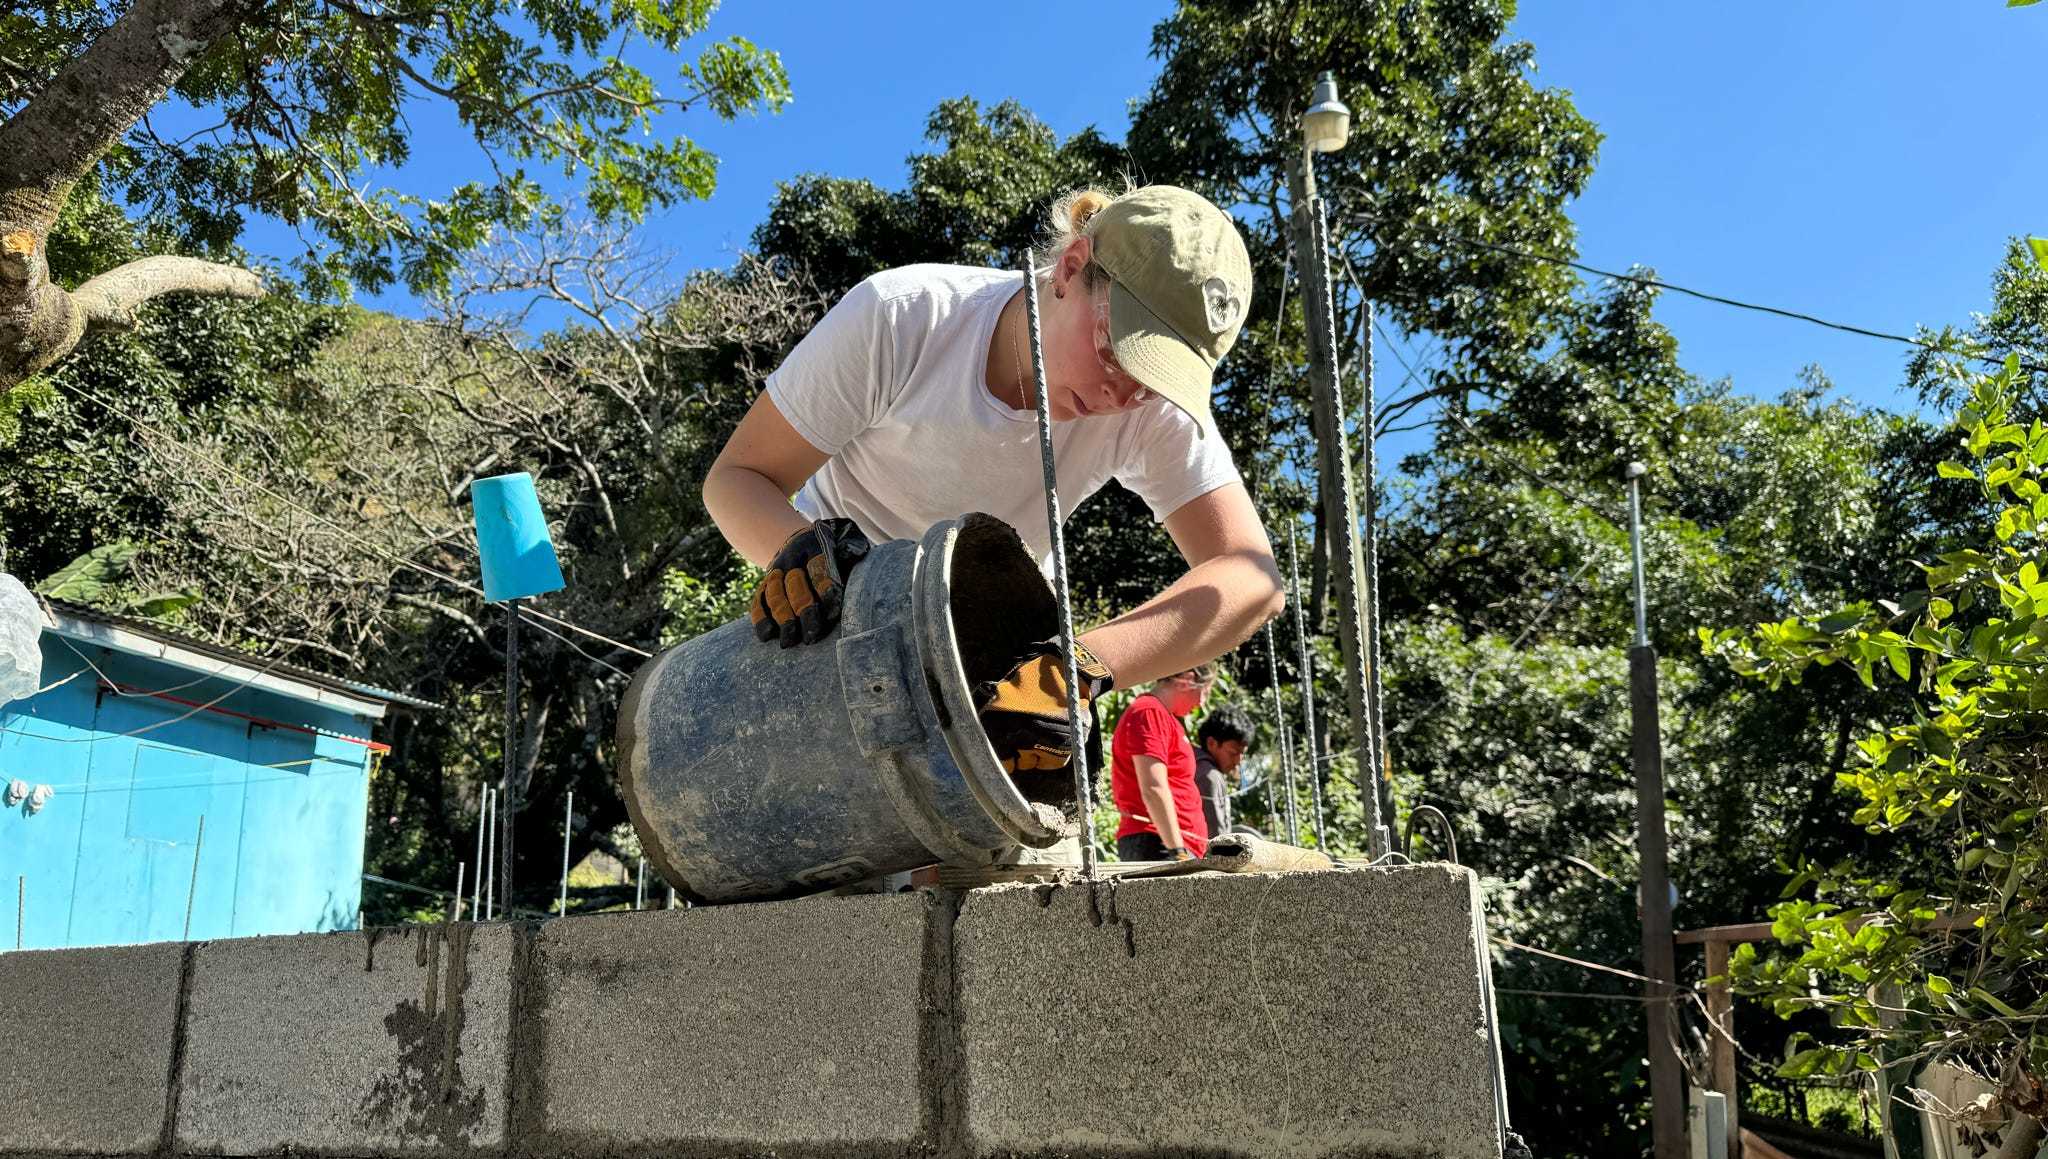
1958,779
1454,149
311,96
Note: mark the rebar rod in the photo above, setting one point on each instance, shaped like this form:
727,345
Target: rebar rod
1375,688
192,891
568,822
508,798
1312,755
1286,746
1340,514
1084,796
476,887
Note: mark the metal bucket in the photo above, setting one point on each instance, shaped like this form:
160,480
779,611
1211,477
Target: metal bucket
754,771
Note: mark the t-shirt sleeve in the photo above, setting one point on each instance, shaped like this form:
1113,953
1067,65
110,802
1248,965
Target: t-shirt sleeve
1143,732
1168,461
841,377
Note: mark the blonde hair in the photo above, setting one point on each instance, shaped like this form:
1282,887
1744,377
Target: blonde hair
1065,221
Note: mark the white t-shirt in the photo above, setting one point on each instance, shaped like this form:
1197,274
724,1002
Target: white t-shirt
892,384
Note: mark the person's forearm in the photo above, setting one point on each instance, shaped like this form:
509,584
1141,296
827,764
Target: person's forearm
751,511
1213,608
1158,796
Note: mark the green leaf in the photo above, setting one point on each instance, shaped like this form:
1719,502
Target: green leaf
2038,244
160,605
1839,622
1953,470
2024,4
91,576
1994,1001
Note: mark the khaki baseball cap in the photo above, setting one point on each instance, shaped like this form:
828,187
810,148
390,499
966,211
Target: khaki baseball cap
1181,285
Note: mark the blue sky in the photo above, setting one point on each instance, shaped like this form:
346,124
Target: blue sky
1860,161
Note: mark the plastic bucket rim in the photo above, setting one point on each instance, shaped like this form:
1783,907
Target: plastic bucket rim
938,657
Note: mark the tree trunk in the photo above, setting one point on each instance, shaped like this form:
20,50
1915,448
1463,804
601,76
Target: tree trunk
53,142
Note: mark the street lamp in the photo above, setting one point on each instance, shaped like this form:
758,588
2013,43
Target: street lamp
1327,123
1325,127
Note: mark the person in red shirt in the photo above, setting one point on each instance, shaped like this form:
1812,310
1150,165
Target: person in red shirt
1152,772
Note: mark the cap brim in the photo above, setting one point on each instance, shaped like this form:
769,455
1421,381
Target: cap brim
1149,351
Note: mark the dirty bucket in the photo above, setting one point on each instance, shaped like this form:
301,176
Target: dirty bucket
753,771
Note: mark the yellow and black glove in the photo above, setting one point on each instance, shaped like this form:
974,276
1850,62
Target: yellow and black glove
1025,713
798,600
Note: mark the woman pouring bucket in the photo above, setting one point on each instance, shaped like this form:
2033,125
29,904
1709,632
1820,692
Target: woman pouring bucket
912,401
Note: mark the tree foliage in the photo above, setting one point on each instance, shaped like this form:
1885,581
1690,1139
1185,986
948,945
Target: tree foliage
1958,779
308,100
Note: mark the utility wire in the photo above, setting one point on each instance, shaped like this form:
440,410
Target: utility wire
1510,944
350,536
195,710
1703,295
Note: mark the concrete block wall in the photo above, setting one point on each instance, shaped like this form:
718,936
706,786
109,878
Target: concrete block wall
1340,1013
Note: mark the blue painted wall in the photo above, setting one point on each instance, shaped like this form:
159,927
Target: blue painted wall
110,858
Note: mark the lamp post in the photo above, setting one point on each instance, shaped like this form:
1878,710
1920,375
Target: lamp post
1325,127
1667,1080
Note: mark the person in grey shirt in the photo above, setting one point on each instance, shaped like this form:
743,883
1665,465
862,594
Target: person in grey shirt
1220,743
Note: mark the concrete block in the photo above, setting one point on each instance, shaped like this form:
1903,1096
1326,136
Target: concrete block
1337,1013
787,1028
86,1042
383,1042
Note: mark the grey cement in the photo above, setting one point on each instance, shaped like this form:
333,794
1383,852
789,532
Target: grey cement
86,1048
384,1042
1353,1001
789,1028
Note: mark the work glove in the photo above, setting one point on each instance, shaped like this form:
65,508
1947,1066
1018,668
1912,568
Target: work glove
1025,713
798,600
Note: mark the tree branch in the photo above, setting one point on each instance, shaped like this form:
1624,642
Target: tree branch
57,138
109,300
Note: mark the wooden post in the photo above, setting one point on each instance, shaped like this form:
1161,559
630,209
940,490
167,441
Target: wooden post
1721,1041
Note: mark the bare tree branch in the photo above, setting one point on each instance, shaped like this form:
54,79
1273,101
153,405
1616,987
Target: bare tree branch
109,300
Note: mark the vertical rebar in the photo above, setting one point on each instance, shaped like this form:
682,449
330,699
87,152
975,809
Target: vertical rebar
671,897
1339,515
1312,757
491,856
640,886
20,906
476,887
508,799
192,890
568,822
1286,746
1084,794
1375,691
455,913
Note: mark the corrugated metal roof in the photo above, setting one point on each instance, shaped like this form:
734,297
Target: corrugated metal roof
191,643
